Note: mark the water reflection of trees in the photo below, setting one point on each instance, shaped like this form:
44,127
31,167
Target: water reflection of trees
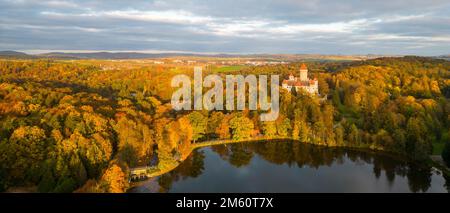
191,167
304,155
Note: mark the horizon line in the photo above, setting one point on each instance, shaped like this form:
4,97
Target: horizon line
46,51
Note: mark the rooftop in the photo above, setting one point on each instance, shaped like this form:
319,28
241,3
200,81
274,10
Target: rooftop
303,66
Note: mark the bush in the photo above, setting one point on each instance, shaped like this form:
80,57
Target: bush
68,185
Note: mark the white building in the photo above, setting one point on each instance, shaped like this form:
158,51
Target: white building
303,82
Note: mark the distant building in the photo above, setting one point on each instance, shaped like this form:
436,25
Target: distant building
303,82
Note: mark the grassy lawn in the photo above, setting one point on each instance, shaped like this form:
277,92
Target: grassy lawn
228,68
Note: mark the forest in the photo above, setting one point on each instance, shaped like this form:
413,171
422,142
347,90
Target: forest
80,125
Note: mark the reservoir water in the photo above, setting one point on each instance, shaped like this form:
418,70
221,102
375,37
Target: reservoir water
294,167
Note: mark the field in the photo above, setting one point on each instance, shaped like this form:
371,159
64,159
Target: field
227,68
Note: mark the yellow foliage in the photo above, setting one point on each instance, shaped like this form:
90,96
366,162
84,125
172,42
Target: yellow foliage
115,179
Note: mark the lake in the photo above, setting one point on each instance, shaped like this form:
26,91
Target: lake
285,166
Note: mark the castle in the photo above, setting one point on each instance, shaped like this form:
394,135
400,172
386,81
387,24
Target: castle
303,82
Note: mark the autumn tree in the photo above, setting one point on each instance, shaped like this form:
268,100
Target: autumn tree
269,129
241,127
24,153
199,124
114,179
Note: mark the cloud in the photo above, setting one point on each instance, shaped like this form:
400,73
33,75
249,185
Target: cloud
66,4
169,16
244,26
52,3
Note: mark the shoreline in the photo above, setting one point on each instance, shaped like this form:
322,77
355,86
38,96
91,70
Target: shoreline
173,165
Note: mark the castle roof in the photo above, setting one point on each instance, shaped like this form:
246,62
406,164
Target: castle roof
298,83
303,66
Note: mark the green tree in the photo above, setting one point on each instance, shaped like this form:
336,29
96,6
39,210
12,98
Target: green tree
241,127
199,124
339,134
284,127
353,135
269,129
26,151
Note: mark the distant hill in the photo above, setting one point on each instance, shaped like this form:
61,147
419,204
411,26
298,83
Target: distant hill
445,57
139,55
127,55
101,55
14,54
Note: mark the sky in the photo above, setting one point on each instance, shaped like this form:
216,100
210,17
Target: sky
413,27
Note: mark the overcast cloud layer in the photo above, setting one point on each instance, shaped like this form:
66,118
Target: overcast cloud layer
420,27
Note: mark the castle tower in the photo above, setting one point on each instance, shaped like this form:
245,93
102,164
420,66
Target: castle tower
303,73
291,77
